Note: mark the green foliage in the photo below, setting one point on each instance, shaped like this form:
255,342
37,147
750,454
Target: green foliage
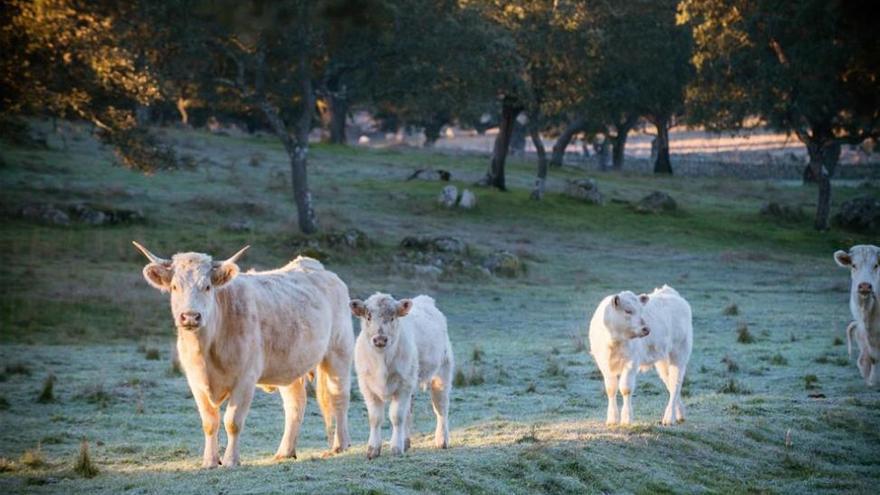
83,465
47,393
743,336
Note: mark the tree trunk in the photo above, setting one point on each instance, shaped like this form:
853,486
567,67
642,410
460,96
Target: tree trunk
495,175
618,142
564,139
338,108
824,155
538,190
662,165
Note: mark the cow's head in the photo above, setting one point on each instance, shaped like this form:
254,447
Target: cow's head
864,264
191,278
623,316
380,318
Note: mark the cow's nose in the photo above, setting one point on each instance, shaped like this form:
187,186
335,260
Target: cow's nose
645,331
865,288
190,319
380,341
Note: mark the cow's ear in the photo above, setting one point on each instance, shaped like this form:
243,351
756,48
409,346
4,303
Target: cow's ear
223,273
644,298
358,308
616,302
843,259
158,275
404,306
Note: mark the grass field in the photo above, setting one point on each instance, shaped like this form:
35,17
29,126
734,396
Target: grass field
784,413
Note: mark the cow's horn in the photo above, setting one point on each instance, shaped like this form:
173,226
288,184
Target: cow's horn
150,256
236,256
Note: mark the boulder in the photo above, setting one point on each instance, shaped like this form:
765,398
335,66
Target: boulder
441,244
239,226
104,215
44,213
585,190
783,212
504,264
430,174
860,214
448,196
351,239
656,202
468,199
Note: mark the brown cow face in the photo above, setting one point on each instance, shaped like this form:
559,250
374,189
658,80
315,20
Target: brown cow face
380,318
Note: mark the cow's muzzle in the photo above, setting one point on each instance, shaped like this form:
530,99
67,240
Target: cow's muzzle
644,332
380,341
865,289
189,320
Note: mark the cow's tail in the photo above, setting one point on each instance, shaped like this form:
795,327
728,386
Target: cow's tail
849,331
325,402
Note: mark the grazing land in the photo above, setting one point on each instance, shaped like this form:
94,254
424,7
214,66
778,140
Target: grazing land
774,403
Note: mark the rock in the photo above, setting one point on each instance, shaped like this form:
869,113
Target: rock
504,264
104,215
427,271
430,174
239,226
442,244
448,196
860,214
656,202
783,212
468,199
44,213
351,239
585,190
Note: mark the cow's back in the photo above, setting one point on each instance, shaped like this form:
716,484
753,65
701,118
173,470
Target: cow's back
669,317
427,326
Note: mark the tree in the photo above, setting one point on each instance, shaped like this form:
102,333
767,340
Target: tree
809,68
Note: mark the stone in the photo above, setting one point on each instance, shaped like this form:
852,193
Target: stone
45,213
468,199
860,214
504,264
448,196
585,190
350,238
239,226
431,174
656,202
441,244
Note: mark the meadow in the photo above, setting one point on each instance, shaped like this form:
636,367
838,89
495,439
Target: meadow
774,403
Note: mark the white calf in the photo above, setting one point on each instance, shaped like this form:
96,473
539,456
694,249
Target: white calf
864,303
629,333
402,344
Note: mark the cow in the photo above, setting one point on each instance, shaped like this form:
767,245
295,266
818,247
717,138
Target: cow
272,329
629,333
864,303
402,344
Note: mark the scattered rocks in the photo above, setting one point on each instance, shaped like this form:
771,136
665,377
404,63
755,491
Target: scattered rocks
656,202
431,174
350,239
448,196
44,213
860,214
468,200
441,244
239,226
585,190
783,212
504,264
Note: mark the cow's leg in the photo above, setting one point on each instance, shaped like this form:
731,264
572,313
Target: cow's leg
294,398
440,386
864,363
627,385
612,417
236,412
398,411
333,392
674,378
376,413
679,405
211,426
407,442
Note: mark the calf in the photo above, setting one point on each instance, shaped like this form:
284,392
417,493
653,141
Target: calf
629,333
864,303
402,344
239,330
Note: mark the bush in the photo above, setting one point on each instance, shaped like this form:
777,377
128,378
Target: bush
732,387
47,395
83,465
743,336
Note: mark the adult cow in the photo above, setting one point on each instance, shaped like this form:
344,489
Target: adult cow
864,303
239,330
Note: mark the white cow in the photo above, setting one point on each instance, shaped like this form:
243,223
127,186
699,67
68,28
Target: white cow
629,333
864,302
402,344
239,330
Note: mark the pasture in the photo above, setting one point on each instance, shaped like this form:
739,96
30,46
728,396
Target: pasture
775,405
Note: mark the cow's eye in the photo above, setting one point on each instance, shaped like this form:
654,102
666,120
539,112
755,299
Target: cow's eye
207,288
627,311
853,266
173,287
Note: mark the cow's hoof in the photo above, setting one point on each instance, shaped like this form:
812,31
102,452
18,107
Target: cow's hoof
210,465
281,456
373,452
230,464
407,444
679,420
396,451
440,444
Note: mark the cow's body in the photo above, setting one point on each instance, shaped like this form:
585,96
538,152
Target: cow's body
864,304
260,328
630,333
416,351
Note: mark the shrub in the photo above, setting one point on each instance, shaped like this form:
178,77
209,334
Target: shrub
743,336
83,465
152,354
33,458
778,360
47,395
732,387
731,310
811,382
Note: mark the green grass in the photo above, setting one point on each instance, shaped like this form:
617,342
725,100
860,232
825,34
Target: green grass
528,408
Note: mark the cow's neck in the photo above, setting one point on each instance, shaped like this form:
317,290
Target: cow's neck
869,311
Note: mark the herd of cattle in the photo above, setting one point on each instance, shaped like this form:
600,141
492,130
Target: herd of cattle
277,329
